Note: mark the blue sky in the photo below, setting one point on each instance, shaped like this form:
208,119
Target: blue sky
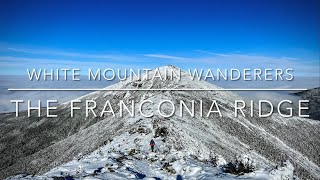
117,33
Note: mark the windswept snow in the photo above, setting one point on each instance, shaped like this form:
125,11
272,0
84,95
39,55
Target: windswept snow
129,156
118,147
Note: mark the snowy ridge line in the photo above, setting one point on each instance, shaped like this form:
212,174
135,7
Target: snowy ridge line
99,89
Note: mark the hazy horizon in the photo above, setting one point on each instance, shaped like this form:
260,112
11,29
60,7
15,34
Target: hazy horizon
22,81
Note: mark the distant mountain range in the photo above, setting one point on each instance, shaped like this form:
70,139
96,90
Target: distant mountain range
313,95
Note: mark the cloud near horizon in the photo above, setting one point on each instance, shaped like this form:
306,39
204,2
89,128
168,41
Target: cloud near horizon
16,60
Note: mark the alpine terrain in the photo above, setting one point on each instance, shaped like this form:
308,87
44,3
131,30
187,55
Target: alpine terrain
313,95
109,147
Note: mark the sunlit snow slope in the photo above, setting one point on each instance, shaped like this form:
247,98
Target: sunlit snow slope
185,143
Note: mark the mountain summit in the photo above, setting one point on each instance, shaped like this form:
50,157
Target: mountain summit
184,145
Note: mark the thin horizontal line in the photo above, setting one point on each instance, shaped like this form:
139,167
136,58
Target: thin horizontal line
98,89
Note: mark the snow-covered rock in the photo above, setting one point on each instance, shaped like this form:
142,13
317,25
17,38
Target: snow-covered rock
118,147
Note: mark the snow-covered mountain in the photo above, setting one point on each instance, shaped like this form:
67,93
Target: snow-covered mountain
129,157
313,95
118,147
